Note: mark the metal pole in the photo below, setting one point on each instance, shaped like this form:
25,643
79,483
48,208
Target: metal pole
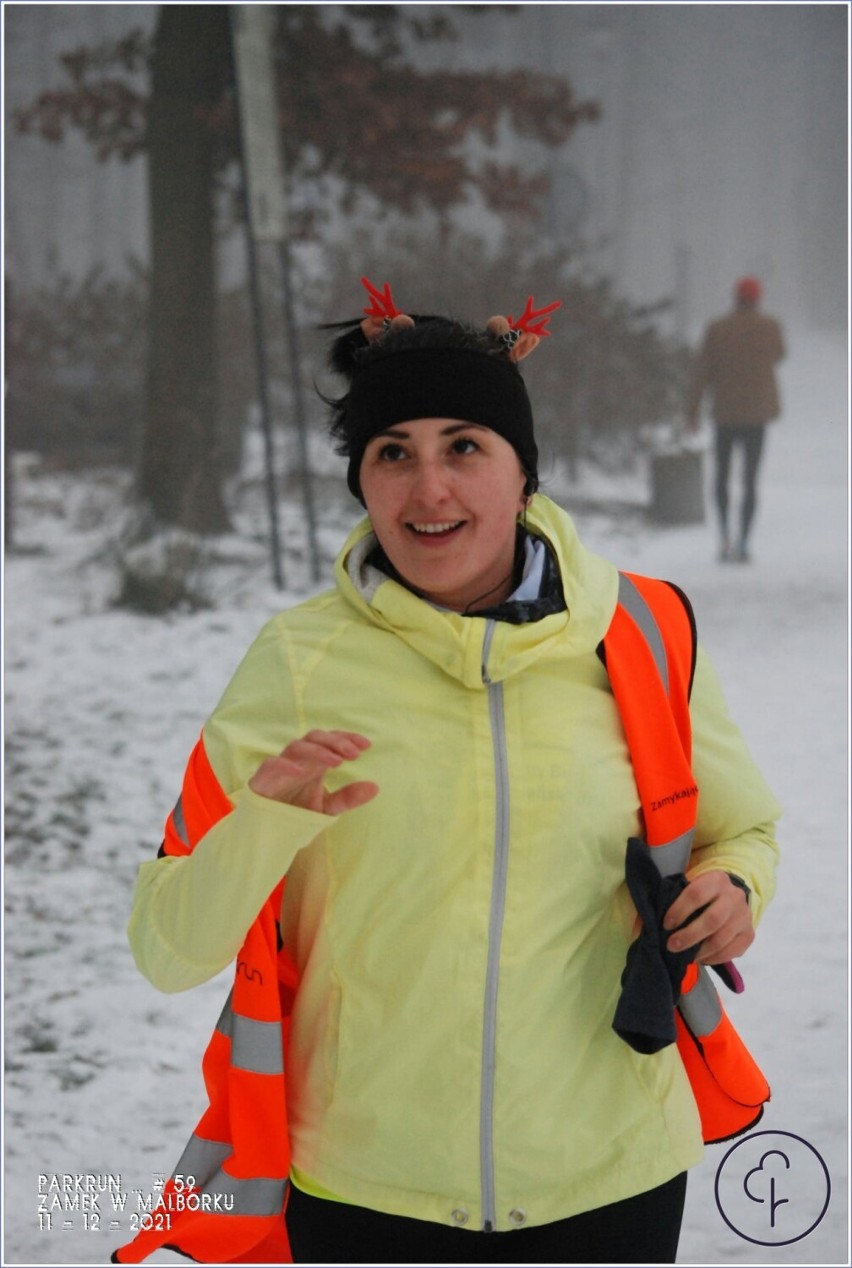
265,412
299,412
258,329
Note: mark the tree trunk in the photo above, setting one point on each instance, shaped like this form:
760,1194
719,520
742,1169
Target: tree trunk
181,469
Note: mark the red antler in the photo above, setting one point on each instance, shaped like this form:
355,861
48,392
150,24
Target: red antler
382,305
527,322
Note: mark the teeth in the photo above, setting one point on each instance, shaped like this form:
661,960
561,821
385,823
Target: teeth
435,528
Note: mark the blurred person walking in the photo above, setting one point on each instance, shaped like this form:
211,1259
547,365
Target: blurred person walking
737,364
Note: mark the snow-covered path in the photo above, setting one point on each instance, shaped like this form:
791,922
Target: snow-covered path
102,708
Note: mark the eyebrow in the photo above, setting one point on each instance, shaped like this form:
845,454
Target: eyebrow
399,432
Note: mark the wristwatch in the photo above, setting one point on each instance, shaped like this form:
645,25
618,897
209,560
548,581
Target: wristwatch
740,884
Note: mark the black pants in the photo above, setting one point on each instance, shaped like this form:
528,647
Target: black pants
750,439
640,1230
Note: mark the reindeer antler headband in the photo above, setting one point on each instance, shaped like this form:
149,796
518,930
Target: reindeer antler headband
403,367
519,337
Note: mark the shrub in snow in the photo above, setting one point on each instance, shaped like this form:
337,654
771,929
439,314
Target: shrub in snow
162,572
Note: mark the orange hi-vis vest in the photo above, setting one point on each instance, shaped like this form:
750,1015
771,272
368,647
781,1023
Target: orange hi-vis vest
649,651
225,1200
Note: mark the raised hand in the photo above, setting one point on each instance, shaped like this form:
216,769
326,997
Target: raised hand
297,775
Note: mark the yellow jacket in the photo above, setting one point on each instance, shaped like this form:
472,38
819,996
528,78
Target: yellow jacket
460,940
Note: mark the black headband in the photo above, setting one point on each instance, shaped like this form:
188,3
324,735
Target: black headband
438,382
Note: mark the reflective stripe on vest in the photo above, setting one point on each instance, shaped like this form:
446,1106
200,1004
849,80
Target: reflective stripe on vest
180,823
202,1161
671,856
652,626
700,1005
631,600
255,1045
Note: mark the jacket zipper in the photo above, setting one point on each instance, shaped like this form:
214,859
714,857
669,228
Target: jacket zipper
495,933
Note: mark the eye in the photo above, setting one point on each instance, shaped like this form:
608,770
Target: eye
464,444
391,452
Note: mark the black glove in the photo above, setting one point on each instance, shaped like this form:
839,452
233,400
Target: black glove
652,977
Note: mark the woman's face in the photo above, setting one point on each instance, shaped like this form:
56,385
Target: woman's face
444,498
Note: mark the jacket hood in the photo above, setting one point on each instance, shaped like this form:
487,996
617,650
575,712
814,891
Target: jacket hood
461,645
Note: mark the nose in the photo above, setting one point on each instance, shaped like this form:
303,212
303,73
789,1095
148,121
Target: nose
431,483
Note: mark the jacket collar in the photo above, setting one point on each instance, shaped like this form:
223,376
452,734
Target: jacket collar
586,587
537,588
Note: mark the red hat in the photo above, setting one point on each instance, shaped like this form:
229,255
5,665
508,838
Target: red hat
748,290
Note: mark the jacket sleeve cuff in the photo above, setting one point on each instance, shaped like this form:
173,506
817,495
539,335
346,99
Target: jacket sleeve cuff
191,914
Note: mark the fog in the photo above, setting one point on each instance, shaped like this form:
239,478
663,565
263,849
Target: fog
722,148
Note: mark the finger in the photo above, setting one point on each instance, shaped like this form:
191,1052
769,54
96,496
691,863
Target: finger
296,774
697,894
309,756
715,934
299,764
350,797
702,925
322,753
725,947
328,748
684,941
711,914
350,741
279,778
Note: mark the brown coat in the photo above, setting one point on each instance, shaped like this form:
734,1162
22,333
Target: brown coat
737,363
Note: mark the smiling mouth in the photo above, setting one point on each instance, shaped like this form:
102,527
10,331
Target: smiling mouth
436,530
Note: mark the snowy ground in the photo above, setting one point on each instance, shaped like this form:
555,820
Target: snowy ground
102,708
